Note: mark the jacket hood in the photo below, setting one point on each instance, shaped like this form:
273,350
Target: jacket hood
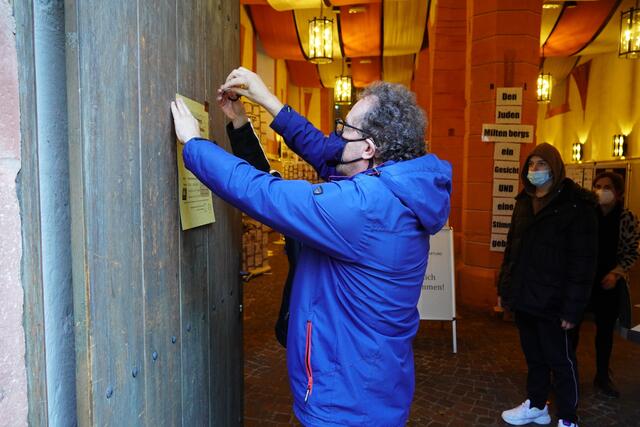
424,186
552,156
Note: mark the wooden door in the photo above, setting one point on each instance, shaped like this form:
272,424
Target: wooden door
157,310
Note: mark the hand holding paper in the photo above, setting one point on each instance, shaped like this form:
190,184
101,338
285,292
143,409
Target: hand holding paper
187,127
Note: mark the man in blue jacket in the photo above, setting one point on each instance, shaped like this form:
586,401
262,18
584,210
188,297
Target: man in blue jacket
365,236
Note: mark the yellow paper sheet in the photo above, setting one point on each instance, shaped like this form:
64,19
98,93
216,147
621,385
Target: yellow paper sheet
196,203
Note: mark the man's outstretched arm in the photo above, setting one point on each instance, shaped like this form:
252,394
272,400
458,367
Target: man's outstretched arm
300,135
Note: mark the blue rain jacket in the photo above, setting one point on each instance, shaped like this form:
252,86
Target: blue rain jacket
358,279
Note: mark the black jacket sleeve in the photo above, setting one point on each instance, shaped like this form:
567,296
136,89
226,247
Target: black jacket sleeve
581,263
245,145
504,276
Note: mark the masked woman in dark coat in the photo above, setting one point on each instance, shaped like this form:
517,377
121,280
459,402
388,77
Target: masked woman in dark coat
618,237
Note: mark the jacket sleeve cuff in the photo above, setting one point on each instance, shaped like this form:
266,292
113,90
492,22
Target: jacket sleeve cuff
280,122
198,138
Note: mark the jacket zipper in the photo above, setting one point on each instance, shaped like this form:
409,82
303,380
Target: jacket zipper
307,362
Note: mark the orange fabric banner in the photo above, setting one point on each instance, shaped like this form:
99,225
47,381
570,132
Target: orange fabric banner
365,71
404,27
360,31
277,31
303,74
581,76
398,69
353,2
578,26
307,102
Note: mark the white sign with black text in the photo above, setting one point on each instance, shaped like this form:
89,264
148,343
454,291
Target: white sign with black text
503,205
507,133
504,169
505,188
508,114
506,151
500,224
509,96
498,242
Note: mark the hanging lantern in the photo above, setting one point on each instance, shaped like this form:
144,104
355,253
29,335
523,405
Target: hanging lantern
630,33
321,39
545,83
342,90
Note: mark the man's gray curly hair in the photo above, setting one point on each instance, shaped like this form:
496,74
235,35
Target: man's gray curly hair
395,122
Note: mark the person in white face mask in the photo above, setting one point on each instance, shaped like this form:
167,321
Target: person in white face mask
618,237
545,280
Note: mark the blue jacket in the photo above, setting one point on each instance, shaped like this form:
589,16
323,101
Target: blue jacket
365,247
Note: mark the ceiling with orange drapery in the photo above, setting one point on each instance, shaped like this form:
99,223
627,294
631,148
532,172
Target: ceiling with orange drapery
373,39
579,25
571,30
382,39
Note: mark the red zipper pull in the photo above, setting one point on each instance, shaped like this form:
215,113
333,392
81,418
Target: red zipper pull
307,361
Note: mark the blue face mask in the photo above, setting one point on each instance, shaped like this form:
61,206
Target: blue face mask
539,178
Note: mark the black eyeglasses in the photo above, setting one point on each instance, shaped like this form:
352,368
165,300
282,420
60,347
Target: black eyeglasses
339,129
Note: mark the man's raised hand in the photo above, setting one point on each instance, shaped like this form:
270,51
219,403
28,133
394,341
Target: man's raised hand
232,108
247,83
187,127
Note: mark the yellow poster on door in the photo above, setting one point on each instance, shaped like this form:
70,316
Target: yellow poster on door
196,202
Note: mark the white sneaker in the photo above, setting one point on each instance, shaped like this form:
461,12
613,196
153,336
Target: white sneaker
525,414
565,423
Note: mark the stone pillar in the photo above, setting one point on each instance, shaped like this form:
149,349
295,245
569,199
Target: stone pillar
447,48
13,379
502,51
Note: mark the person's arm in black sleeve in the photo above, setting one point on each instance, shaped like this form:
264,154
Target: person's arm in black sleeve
581,263
244,141
245,144
504,278
505,269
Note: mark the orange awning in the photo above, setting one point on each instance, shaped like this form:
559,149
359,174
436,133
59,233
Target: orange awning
360,31
277,32
353,2
398,69
294,4
303,74
365,70
578,26
329,72
404,27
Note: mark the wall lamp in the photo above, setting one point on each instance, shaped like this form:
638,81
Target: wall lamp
619,146
578,152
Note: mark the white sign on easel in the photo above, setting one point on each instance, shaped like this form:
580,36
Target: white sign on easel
438,296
